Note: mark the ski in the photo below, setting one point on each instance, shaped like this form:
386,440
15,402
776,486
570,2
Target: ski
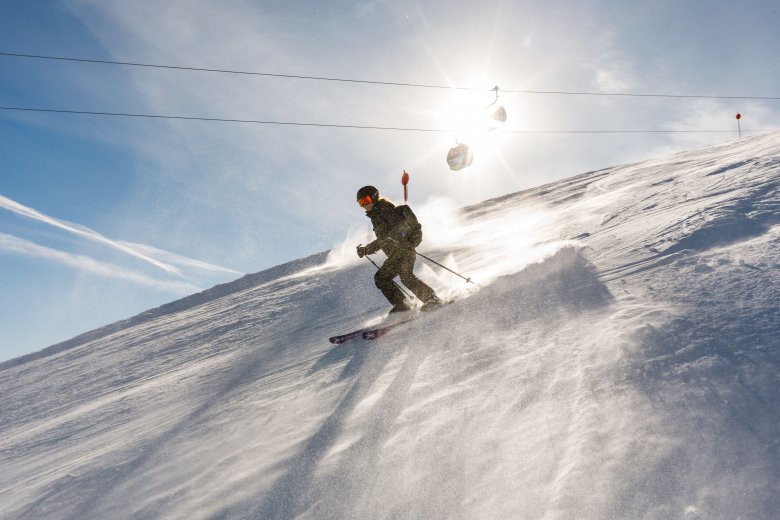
343,338
366,332
372,333
377,333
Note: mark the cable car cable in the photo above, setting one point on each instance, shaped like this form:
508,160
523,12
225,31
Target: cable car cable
359,127
386,83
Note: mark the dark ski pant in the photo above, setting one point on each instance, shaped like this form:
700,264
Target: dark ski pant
401,263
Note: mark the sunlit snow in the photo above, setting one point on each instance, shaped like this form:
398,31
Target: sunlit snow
621,362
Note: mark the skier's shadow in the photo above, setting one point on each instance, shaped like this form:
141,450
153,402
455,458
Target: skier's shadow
354,351
368,363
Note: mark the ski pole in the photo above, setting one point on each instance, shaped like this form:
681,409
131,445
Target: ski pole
469,280
394,282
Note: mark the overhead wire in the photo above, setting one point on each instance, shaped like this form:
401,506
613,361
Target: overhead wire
346,80
359,127
386,83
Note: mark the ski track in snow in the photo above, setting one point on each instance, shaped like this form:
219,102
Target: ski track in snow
622,362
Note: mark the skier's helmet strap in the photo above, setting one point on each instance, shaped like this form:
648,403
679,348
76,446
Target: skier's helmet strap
368,191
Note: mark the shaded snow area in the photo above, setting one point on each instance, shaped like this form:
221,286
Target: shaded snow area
621,362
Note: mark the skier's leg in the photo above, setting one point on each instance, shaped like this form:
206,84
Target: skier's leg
384,281
409,279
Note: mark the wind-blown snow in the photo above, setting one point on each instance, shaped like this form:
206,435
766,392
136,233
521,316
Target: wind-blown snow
621,362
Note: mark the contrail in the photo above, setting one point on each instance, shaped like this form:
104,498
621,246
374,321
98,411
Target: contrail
81,231
141,251
15,245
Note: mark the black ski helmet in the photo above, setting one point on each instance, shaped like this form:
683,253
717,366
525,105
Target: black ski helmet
368,191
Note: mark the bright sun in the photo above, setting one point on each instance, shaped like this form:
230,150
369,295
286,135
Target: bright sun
470,118
466,113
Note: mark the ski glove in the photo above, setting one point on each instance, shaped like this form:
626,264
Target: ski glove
373,247
369,249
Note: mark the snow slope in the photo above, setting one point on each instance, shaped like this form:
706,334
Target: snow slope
621,362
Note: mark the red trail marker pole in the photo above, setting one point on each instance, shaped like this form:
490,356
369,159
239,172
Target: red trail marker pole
405,181
739,127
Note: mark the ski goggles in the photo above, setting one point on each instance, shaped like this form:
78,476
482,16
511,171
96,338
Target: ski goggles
365,201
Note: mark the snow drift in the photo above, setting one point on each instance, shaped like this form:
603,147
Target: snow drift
622,362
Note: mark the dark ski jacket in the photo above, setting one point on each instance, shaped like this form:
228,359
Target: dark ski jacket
396,228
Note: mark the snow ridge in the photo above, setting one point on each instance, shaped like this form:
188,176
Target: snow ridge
183,304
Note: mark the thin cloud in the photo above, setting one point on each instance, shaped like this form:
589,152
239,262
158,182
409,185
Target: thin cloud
146,253
183,261
15,245
76,229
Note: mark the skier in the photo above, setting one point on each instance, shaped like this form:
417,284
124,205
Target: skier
397,234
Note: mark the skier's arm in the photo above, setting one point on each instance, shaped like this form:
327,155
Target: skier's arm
400,234
369,249
373,247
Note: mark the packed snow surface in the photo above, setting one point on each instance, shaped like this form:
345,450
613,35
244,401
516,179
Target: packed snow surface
620,362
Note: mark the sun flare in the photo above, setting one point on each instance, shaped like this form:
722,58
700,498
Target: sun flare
464,113
469,120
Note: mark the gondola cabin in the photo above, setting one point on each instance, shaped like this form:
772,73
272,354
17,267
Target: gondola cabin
459,157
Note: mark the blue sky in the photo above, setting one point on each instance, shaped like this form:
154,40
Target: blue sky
104,217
